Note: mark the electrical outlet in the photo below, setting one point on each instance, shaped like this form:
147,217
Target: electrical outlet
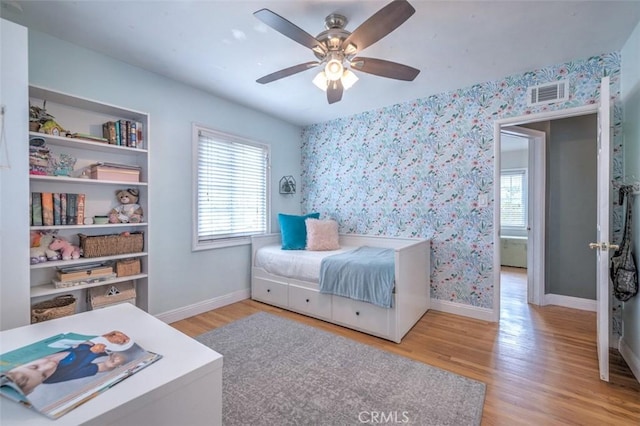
483,200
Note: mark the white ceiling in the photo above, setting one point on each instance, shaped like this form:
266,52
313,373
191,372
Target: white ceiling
221,48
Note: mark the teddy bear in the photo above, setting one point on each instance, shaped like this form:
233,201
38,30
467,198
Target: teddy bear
129,211
67,250
40,251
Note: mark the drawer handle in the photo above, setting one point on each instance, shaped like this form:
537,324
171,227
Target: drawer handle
357,312
268,290
307,300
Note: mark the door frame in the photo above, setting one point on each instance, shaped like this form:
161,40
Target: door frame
536,148
497,128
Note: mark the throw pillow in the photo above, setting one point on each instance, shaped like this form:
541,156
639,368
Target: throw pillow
293,230
322,234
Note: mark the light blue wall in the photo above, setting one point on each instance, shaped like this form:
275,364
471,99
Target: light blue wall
418,169
630,95
179,277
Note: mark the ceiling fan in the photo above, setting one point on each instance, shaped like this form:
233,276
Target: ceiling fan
336,48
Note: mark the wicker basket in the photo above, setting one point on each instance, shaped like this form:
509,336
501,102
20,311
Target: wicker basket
126,267
113,294
58,307
109,245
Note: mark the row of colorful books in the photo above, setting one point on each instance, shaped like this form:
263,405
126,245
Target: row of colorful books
53,208
124,132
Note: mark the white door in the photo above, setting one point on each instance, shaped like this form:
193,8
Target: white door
602,245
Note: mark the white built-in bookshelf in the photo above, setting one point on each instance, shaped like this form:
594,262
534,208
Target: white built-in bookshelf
79,115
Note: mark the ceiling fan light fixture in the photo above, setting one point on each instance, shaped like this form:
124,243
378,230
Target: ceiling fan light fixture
321,82
334,69
348,79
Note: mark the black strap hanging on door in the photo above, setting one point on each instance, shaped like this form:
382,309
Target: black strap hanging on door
623,271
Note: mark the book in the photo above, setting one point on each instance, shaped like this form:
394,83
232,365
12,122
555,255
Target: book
47,209
72,212
57,209
88,137
116,126
63,208
139,137
109,132
133,133
36,208
57,374
80,209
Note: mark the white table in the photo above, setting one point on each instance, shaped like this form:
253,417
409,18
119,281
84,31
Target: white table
183,388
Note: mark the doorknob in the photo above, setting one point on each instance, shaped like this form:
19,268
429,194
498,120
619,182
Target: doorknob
603,246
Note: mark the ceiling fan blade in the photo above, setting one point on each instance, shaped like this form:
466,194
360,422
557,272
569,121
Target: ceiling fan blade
290,30
334,91
380,24
286,72
384,68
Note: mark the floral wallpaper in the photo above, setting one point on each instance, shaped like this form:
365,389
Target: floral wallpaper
416,169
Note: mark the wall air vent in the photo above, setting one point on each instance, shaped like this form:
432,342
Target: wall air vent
548,93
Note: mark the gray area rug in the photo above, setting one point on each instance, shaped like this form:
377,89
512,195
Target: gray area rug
276,372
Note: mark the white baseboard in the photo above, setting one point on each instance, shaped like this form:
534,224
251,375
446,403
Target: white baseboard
632,360
204,306
571,302
462,309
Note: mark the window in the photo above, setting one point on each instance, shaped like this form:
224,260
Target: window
231,189
513,199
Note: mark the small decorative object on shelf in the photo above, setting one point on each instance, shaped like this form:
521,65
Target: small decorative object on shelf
38,116
67,250
101,220
287,185
40,251
62,165
129,211
38,156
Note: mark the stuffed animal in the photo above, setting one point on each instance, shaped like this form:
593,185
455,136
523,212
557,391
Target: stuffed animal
129,211
40,251
67,250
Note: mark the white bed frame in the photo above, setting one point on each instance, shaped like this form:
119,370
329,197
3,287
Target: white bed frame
411,298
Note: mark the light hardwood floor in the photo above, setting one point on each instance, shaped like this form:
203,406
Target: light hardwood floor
539,363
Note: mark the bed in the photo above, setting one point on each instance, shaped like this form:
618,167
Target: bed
289,279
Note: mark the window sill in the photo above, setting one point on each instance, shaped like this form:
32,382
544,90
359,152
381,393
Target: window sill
222,243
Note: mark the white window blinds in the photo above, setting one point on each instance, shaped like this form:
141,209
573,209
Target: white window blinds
513,199
231,182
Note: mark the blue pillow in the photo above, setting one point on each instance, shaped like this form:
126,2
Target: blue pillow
293,230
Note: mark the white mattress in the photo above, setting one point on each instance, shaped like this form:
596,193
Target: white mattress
303,265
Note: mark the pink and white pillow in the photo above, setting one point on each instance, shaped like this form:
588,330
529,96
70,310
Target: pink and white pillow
322,234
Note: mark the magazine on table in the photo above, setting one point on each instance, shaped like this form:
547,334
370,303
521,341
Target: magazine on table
57,374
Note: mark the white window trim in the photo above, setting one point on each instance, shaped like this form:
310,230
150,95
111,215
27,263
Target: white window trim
518,231
222,242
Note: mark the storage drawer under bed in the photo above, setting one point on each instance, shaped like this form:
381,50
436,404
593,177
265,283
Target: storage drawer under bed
310,302
361,315
270,291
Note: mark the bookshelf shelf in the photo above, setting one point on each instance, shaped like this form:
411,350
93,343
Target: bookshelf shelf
49,289
74,180
94,226
85,260
88,117
84,144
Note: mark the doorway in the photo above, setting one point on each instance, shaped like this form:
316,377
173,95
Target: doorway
536,231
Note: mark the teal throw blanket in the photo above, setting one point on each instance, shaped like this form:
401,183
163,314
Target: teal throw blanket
366,274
